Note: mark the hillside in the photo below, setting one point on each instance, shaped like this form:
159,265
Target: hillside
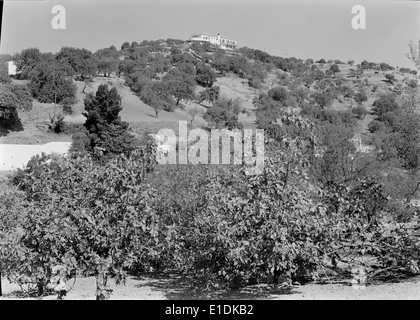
327,194
232,86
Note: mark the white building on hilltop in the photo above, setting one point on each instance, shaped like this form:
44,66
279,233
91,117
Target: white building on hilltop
224,43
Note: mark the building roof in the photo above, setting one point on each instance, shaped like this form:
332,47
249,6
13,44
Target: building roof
210,35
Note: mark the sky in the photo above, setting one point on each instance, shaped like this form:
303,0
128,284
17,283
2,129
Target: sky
304,29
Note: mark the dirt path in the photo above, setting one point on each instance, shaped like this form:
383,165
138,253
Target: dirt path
162,288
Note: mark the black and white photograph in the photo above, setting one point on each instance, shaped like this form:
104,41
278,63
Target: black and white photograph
209,151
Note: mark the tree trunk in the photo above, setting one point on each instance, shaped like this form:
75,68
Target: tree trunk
276,276
101,291
1,290
40,287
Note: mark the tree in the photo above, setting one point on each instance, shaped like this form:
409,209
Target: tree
49,83
334,69
23,95
360,112
390,78
323,99
224,114
360,97
414,53
268,110
9,118
180,84
125,46
107,134
107,60
26,61
386,103
193,112
4,75
157,95
205,75
209,94
81,60
279,94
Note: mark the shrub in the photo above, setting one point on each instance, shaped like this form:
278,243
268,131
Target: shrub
205,75
4,76
24,97
85,231
56,124
390,78
224,114
323,99
384,104
385,67
9,118
320,61
279,94
360,97
375,126
412,84
209,94
334,69
360,112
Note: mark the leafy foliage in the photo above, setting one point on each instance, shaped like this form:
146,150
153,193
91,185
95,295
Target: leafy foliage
49,82
26,61
9,118
99,237
106,132
224,114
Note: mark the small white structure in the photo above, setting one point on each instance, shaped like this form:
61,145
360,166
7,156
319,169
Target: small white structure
11,68
224,43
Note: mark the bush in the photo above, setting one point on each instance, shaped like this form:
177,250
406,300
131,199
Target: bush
224,114
390,78
386,103
360,97
4,76
360,112
412,84
57,124
334,69
24,97
321,61
9,118
323,99
375,126
94,234
385,67
255,83
205,75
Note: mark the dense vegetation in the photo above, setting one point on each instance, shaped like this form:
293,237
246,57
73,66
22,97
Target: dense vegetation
108,209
